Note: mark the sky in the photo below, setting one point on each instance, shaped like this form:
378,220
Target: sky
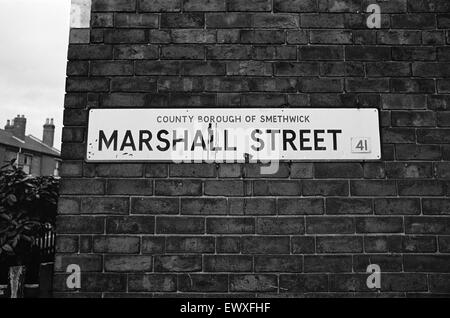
34,37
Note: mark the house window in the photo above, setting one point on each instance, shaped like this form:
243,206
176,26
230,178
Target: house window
27,164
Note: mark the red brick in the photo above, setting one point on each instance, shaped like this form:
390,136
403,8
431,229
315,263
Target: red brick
302,283
133,20
278,188
425,188
128,186
152,282
175,263
80,224
119,171
302,170
230,225
418,152
190,244
436,206
397,170
178,187
185,52
295,5
303,245
249,5
224,263
123,100
69,205
325,188
128,263
77,68
373,188
86,244
334,264
397,206
130,225
116,244
300,206
367,85
104,205
255,283
155,206
134,84
102,20
228,244
413,86
203,206
399,37
348,206
427,225
279,263
203,283
330,37
153,245
180,225
419,244
80,84
90,52
374,170
337,170
210,5
252,206
120,36
116,68
136,52
155,170
330,225
182,20
75,117
367,53
225,188
280,225
114,5
379,224
439,283
427,263
339,244
382,244
296,69
67,244
339,6
265,245
409,282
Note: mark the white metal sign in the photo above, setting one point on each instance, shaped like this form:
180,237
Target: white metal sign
233,135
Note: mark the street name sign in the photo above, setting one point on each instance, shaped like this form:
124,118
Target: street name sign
233,134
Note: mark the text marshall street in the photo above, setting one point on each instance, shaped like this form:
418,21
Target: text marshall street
165,140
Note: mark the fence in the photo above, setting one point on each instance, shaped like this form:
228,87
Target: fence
46,245
39,272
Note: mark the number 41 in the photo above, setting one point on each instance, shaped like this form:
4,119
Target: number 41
361,145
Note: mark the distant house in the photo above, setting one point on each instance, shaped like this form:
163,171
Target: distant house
36,157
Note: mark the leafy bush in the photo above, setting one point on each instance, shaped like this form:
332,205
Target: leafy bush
27,210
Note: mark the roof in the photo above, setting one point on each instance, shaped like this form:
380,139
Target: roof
30,143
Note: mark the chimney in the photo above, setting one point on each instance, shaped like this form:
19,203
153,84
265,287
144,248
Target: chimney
9,127
19,125
49,132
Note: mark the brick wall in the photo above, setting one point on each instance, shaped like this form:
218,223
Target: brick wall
310,229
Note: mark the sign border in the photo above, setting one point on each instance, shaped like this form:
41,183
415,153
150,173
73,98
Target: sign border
380,158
